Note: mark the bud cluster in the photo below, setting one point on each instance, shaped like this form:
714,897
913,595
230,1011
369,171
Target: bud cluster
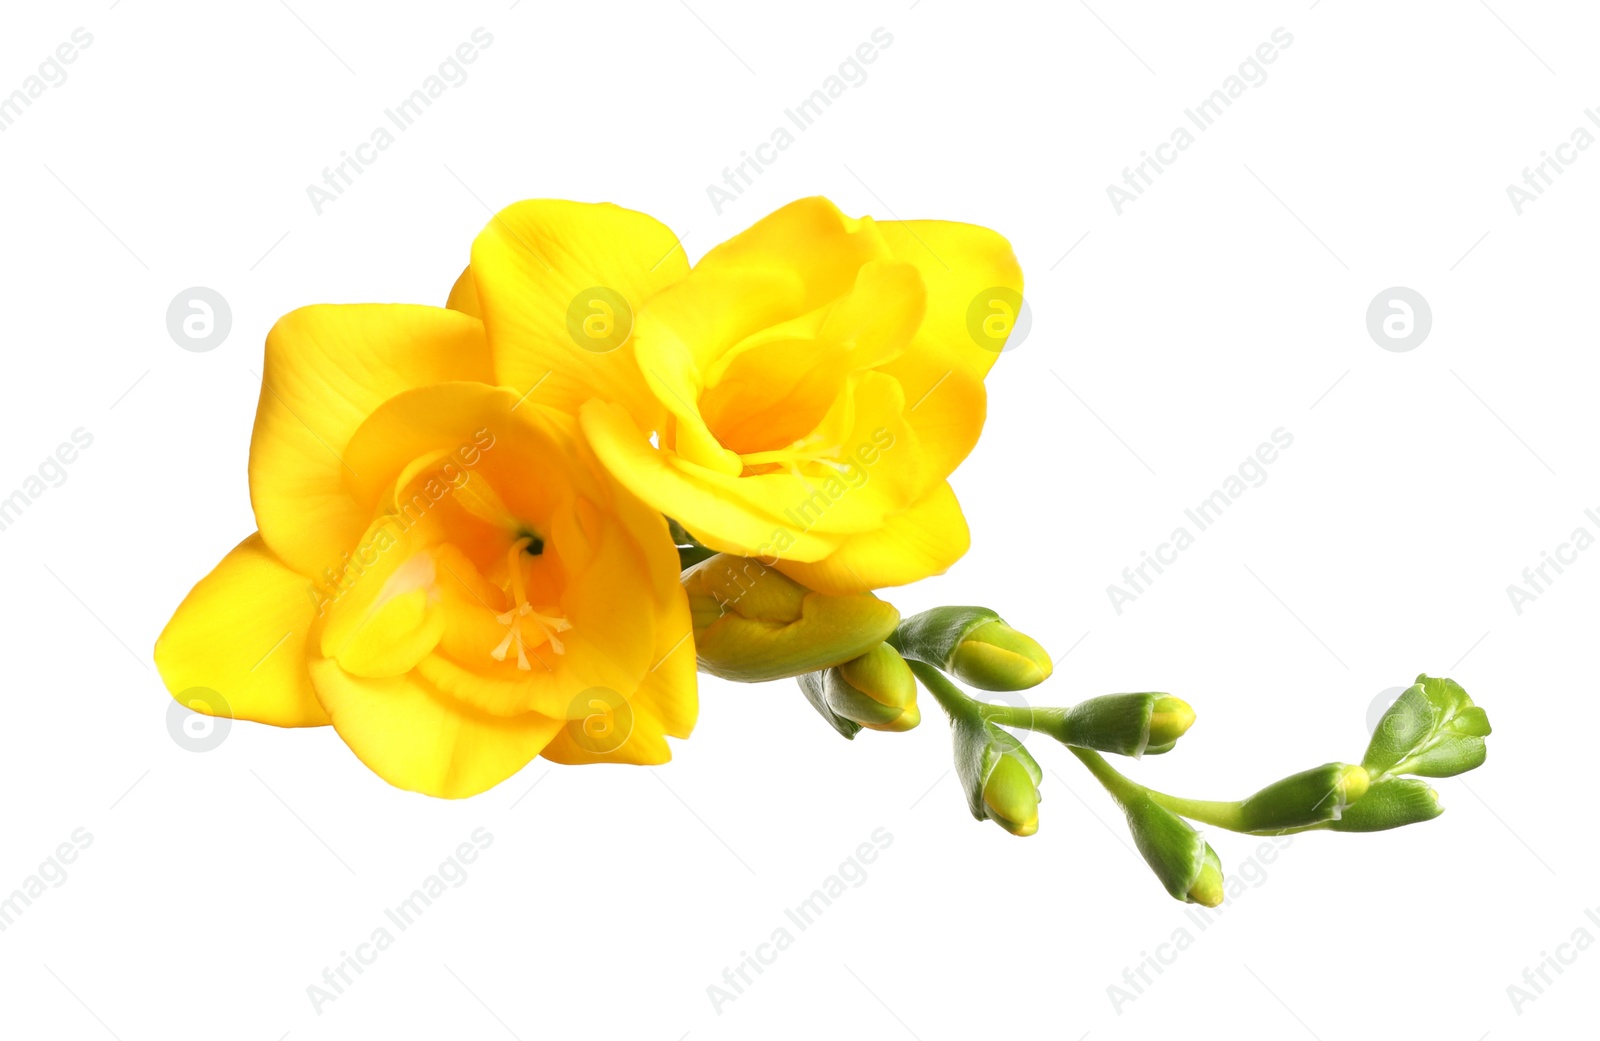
859,665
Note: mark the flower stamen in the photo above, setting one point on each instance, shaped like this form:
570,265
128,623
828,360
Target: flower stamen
548,624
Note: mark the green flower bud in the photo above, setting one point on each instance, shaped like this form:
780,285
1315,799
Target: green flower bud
875,690
1310,797
1183,862
1432,730
1000,778
814,685
1011,796
976,646
754,623
995,656
1391,803
1124,724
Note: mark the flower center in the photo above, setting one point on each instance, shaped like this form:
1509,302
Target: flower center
545,621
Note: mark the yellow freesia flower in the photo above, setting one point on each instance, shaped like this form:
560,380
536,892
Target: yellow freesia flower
443,570
800,396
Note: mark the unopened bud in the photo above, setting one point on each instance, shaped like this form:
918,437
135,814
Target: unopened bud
1123,724
976,646
1011,796
875,690
999,777
753,623
1432,730
1391,803
1183,862
1311,797
995,656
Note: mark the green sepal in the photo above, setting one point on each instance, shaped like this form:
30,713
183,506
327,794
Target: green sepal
877,690
1168,843
1310,797
1432,730
1391,803
979,744
975,645
814,686
933,635
1115,723
1448,758
970,736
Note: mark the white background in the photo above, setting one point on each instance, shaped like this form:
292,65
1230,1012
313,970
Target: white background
1167,342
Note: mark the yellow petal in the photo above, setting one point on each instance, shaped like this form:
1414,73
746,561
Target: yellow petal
669,691
418,739
534,265
327,368
668,694
795,261
633,730
242,632
942,371
775,387
723,516
464,295
924,540
390,617
614,731
486,432
688,326
958,262
811,238
945,405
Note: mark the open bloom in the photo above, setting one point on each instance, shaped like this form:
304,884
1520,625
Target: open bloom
800,396
443,571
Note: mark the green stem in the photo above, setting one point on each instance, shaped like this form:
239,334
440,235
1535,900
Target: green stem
1223,815
1045,720
950,697
1121,788
689,556
958,705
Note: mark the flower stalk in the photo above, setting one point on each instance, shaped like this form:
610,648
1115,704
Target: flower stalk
1433,730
